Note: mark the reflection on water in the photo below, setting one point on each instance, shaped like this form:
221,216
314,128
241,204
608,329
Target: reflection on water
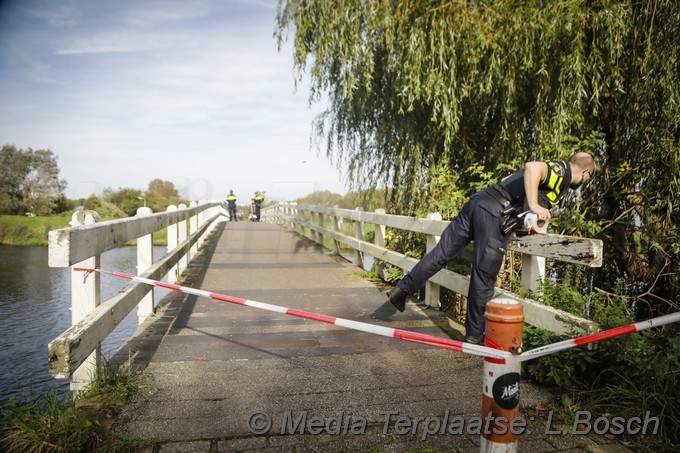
35,303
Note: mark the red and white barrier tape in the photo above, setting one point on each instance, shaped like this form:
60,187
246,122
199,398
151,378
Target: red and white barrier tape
597,336
499,355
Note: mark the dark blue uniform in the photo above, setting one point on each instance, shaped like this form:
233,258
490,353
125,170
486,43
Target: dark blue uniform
257,203
484,219
231,203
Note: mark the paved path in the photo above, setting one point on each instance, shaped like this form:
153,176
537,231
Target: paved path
212,365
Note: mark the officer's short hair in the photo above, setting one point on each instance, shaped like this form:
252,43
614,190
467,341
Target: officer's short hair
584,160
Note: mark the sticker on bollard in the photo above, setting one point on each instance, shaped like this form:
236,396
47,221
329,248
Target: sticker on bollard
505,390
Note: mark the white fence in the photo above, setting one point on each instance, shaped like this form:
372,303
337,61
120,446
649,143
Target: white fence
77,352
534,249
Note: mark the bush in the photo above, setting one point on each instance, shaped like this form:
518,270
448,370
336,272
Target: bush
624,376
651,386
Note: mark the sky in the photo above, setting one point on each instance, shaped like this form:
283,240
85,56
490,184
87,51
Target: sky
193,92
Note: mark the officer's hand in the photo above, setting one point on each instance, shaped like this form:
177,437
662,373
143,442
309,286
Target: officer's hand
541,212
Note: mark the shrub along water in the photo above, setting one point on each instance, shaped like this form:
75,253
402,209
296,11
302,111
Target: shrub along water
55,422
625,376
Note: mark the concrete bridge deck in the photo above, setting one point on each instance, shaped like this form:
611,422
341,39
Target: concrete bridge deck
212,365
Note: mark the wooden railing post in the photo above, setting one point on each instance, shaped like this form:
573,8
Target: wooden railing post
319,221
533,271
301,220
359,234
173,276
181,237
85,297
432,290
336,229
312,222
203,217
291,212
144,261
193,227
379,240
282,216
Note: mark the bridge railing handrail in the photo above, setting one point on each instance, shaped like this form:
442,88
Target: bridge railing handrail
68,246
76,352
533,248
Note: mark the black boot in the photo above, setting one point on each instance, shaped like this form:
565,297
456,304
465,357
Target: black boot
398,298
475,339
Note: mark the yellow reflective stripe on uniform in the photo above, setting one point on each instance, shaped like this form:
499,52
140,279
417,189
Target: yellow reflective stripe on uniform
554,183
555,193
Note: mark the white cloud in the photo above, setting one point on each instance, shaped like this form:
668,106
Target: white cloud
189,91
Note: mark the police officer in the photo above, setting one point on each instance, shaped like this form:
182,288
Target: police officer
231,204
488,217
257,202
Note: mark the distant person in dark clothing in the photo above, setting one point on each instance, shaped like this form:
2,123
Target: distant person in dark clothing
257,204
231,204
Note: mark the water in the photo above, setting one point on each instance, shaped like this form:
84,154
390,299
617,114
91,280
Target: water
35,302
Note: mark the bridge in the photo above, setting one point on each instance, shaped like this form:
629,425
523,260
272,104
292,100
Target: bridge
226,377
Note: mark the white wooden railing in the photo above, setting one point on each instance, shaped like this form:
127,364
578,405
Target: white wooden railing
533,248
77,351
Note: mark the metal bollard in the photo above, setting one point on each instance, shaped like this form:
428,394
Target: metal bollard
500,404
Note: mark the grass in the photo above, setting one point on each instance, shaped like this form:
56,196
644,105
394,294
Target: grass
59,423
29,231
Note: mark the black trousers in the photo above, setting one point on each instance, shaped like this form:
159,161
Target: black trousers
480,221
232,213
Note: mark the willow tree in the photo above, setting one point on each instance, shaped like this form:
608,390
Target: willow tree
414,85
